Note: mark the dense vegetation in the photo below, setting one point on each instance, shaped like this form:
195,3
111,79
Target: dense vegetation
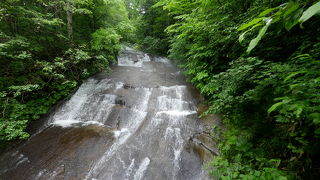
47,47
258,63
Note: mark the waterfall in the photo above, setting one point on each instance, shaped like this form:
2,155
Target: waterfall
133,124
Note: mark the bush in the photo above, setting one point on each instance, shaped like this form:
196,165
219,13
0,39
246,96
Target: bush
106,42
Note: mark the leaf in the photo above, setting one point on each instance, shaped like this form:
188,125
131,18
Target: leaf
3,94
299,111
274,107
294,74
302,57
267,11
291,7
311,11
255,41
292,86
315,117
293,20
241,37
251,23
276,162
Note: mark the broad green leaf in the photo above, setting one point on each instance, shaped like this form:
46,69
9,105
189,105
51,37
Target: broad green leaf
241,37
251,23
311,11
256,40
267,11
274,107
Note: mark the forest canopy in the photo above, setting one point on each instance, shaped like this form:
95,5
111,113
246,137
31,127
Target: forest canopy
257,63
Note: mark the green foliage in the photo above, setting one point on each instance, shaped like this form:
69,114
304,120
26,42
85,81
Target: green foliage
290,13
269,97
311,11
150,34
18,90
126,31
106,42
44,55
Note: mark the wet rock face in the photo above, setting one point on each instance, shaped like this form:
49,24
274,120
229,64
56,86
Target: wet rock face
138,123
203,145
57,153
120,101
128,86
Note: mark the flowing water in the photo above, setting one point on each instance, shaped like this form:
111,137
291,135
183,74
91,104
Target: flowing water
140,122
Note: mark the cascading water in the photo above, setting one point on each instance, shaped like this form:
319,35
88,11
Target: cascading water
134,124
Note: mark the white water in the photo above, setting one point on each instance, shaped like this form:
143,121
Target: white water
142,168
148,116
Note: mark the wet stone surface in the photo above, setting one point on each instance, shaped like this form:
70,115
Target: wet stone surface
140,122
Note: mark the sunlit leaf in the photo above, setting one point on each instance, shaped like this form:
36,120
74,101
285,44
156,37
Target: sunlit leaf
275,106
311,11
251,23
267,11
241,37
256,40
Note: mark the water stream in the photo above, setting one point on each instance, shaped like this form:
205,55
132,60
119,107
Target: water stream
137,123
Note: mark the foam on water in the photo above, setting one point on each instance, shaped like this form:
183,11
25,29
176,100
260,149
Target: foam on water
142,168
66,123
119,85
71,108
135,60
87,106
149,127
177,149
161,60
143,105
72,123
120,132
22,159
165,103
130,169
172,108
176,113
137,116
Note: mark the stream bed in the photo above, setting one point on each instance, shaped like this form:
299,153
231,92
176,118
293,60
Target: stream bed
139,122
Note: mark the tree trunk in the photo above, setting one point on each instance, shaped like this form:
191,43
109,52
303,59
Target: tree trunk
69,20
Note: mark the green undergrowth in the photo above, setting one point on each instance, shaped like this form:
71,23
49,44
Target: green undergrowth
257,63
47,48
